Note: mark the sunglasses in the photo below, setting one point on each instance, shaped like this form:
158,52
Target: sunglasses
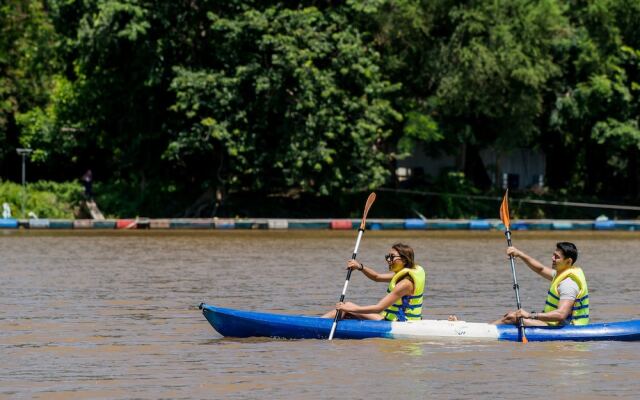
391,257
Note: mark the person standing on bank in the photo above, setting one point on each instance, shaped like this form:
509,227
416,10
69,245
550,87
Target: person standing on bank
568,297
87,182
403,301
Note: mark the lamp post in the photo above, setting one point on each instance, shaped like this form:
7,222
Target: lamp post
24,153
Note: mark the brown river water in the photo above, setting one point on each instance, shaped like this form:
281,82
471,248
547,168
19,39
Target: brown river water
111,314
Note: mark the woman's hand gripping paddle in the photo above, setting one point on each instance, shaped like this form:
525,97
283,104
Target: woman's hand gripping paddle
504,216
370,200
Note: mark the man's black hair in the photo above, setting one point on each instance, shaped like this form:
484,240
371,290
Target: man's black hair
569,250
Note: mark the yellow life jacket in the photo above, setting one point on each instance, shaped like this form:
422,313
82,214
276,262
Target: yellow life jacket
407,307
580,313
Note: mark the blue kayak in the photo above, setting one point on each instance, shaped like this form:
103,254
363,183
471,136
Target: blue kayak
239,323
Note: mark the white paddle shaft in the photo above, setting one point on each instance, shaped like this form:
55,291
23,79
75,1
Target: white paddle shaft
346,283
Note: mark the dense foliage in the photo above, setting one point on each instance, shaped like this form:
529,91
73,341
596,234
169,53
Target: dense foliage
199,107
43,199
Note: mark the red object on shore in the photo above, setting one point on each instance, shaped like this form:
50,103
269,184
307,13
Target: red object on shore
341,224
126,224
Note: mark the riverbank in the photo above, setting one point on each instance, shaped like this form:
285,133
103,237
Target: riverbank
320,224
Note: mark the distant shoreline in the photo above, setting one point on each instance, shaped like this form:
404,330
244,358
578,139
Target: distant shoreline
320,224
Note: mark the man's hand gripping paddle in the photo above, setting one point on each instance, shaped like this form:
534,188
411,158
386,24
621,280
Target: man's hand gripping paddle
504,216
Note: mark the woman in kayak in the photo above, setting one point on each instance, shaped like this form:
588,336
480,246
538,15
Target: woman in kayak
403,301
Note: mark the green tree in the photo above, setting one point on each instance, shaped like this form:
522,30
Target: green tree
171,99
291,99
593,141
28,61
109,106
475,73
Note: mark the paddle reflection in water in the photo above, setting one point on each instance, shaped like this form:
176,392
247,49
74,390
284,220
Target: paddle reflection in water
114,315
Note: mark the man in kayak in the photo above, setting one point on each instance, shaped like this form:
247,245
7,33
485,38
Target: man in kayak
403,301
568,297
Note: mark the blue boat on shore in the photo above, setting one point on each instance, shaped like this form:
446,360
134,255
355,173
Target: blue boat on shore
239,323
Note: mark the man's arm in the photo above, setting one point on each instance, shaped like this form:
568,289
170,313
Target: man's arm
568,291
535,265
560,314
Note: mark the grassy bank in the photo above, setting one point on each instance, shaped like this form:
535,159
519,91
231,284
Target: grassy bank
43,198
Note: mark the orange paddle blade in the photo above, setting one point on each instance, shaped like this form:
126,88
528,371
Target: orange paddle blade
504,210
370,200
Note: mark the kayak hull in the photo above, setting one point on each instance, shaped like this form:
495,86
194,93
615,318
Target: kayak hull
239,323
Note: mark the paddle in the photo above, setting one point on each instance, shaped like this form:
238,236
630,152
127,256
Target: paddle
504,216
370,200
